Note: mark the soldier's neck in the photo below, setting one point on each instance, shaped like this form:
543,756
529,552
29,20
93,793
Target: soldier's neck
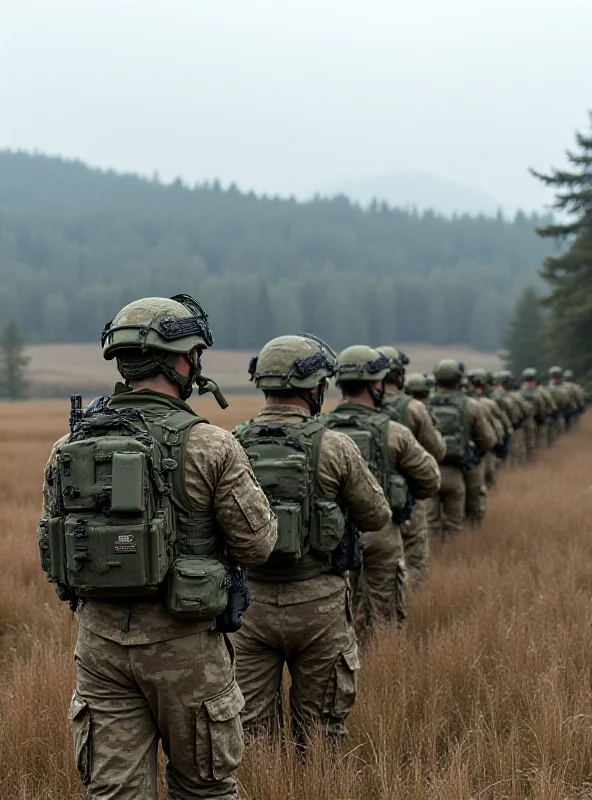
160,383
364,399
290,400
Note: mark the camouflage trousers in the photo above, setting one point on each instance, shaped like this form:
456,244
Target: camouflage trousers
416,543
380,588
491,466
476,494
446,510
313,636
180,691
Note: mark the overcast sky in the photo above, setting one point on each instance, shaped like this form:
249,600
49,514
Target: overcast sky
289,95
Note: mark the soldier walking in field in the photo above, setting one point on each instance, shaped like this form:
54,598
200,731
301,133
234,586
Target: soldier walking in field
404,469
148,511
401,407
468,437
321,490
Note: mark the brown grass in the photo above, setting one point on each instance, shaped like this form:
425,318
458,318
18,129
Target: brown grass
485,695
58,369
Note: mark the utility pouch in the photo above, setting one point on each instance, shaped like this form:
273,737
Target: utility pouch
197,588
397,491
239,599
288,547
51,548
327,534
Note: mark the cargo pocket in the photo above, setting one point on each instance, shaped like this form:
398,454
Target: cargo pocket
219,734
341,693
79,716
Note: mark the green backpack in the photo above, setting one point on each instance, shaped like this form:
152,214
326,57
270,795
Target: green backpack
369,430
121,524
396,408
284,458
450,412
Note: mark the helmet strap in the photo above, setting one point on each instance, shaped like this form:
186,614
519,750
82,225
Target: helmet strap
377,394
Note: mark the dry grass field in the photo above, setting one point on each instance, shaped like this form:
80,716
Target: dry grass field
486,696
58,369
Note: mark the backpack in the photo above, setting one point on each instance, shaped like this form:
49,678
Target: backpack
449,411
369,429
396,408
284,458
120,525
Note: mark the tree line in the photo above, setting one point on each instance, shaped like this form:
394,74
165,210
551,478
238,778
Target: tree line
76,244
557,325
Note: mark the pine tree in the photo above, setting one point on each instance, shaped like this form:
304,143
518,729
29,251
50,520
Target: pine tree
569,274
523,339
13,364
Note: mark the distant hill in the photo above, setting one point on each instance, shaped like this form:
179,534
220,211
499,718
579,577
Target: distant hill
414,189
76,244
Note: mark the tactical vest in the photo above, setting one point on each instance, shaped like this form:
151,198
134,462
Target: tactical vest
396,408
532,396
122,524
285,460
369,429
450,412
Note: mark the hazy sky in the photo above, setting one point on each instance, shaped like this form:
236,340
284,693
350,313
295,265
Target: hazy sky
288,95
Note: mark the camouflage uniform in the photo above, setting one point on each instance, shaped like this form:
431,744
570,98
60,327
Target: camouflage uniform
380,588
415,532
307,624
446,510
547,430
497,419
541,404
144,675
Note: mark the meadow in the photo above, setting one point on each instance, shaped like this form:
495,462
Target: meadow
486,695
56,370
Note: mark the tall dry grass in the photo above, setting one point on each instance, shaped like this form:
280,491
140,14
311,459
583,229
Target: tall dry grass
487,694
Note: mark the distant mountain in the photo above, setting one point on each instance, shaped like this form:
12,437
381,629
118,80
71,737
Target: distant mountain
413,189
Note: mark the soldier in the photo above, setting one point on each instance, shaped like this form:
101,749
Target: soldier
300,613
152,662
414,414
404,469
576,393
417,386
498,419
468,437
516,409
562,399
543,407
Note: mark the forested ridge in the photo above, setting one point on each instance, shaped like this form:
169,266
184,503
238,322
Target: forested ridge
78,243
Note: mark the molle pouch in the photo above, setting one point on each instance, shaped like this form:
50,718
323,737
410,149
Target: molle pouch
285,477
51,549
363,438
397,491
197,588
104,559
288,546
92,470
327,534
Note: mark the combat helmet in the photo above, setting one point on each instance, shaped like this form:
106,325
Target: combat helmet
479,377
555,372
530,374
397,362
294,365
362,364
417,385
568,374
448,372
148,336
506,378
